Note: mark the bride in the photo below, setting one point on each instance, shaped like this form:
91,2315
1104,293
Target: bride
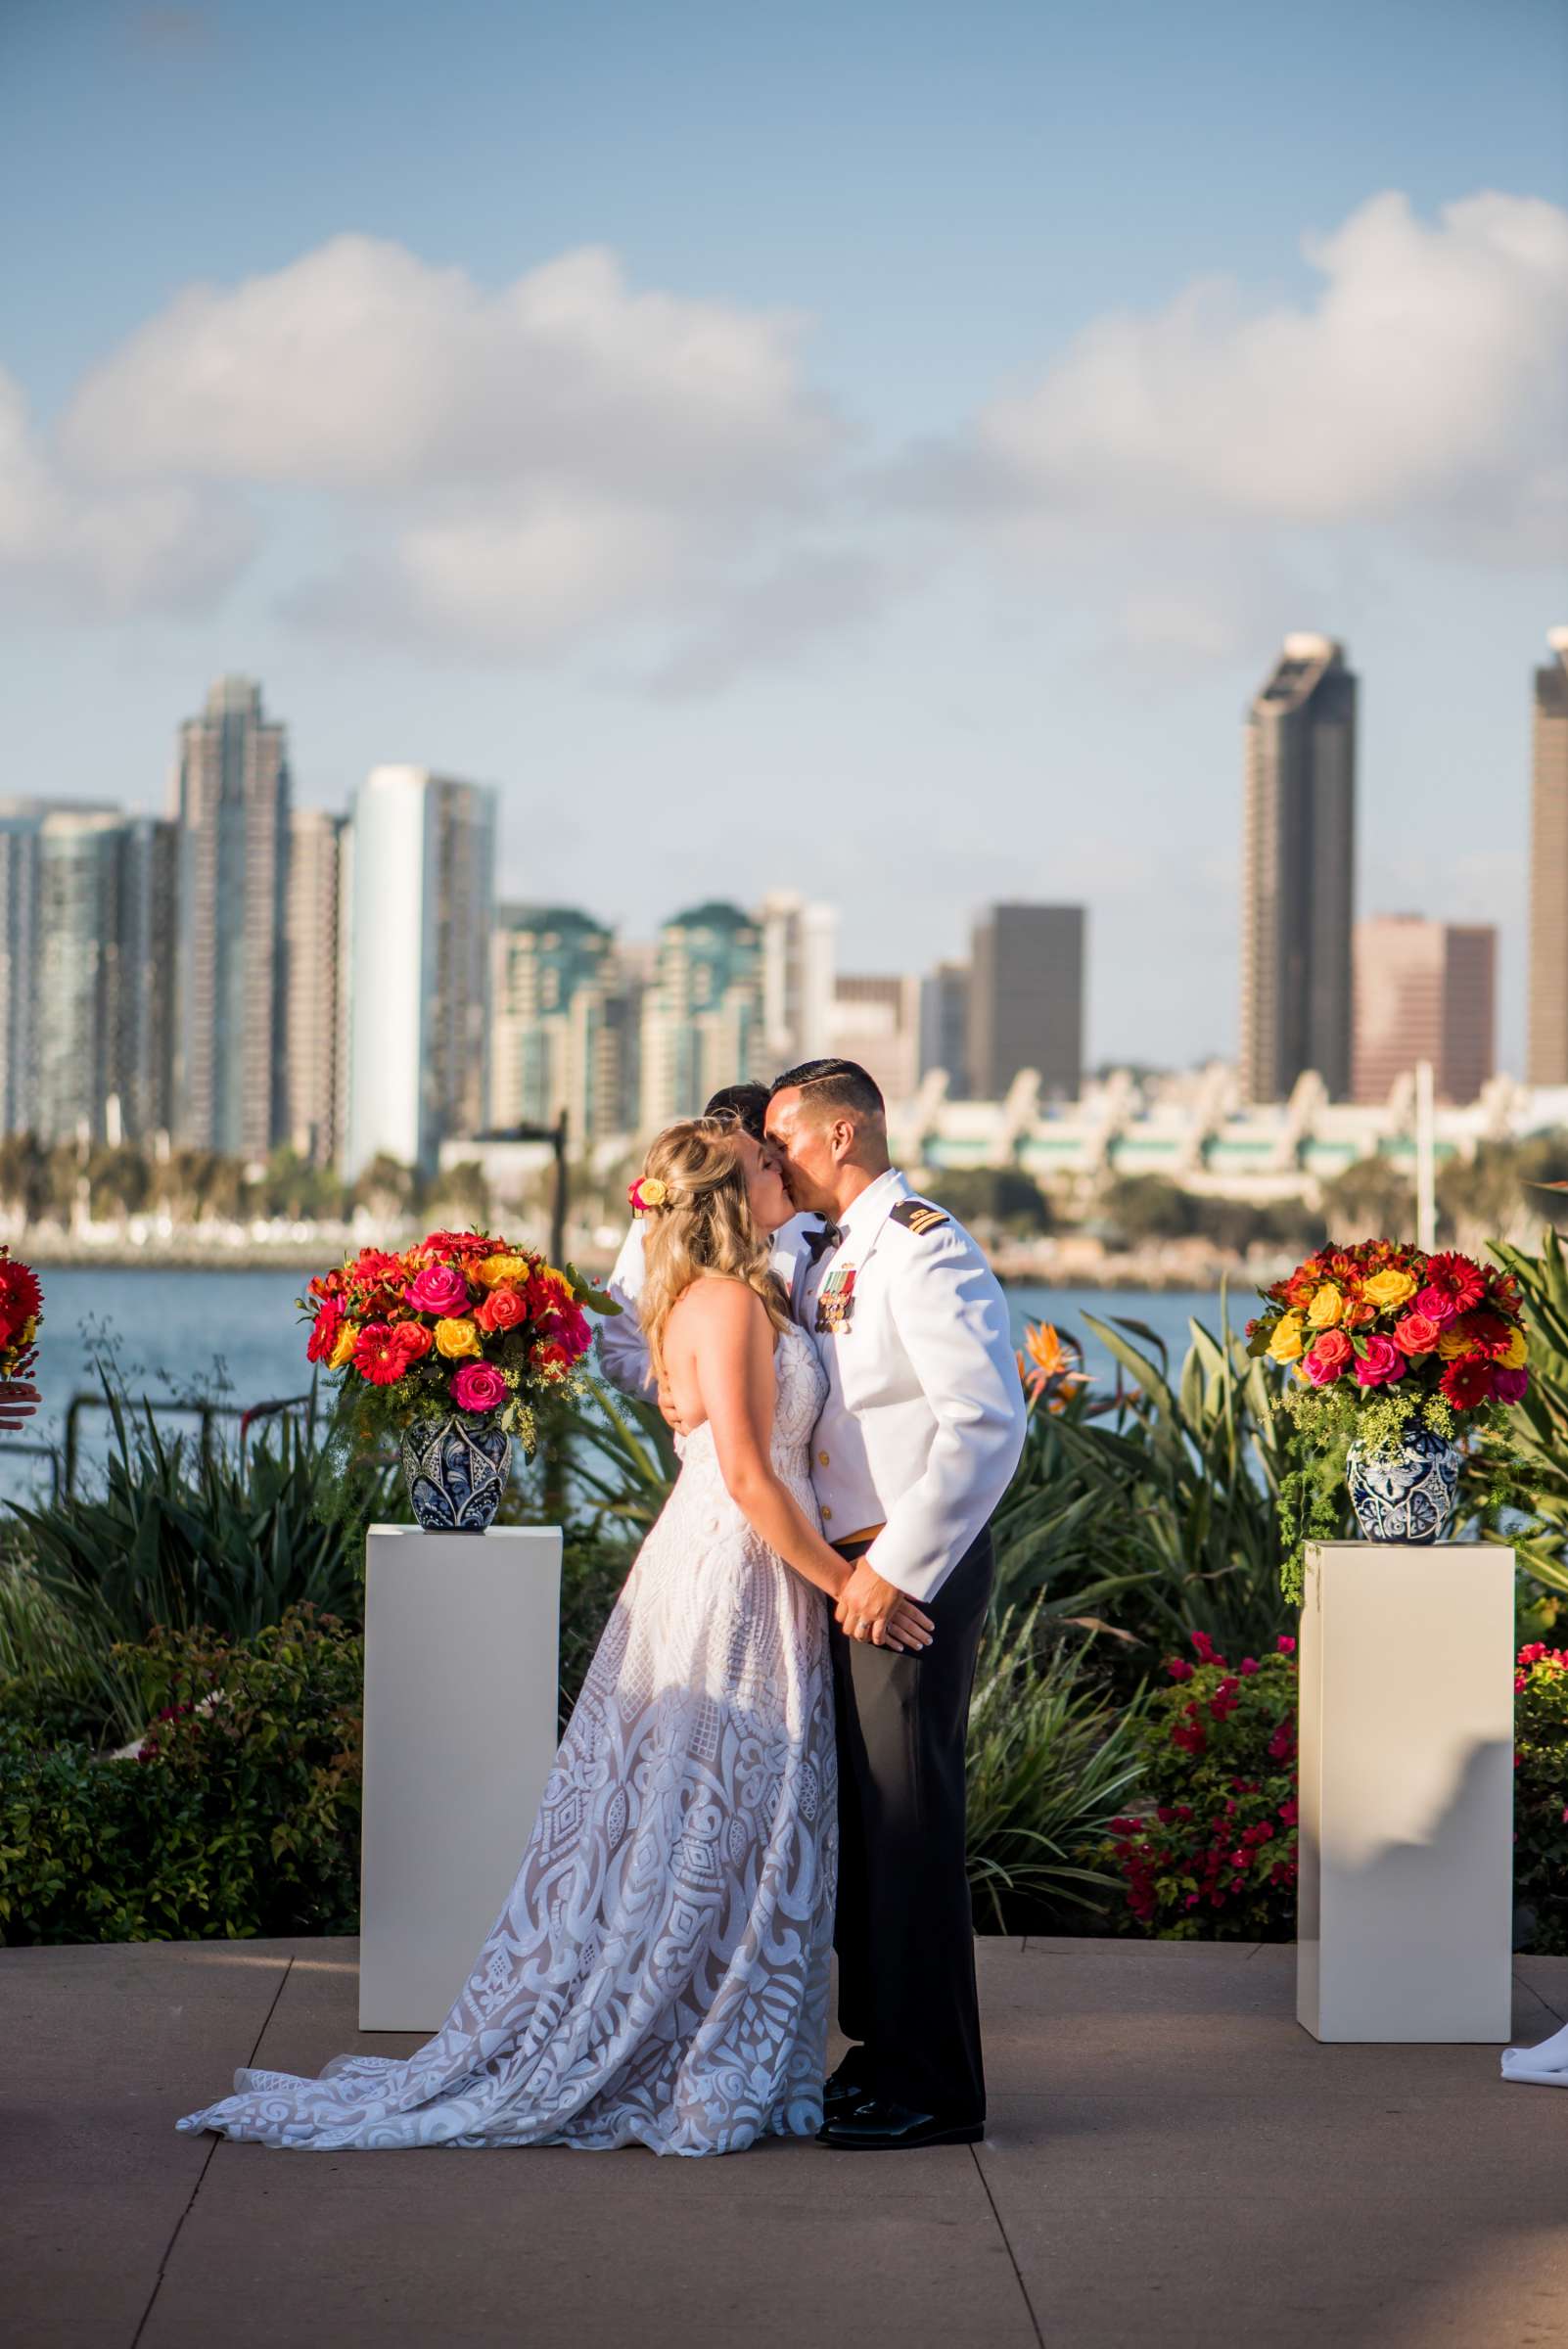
659,1974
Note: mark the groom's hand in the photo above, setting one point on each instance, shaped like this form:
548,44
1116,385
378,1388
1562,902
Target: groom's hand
866,1602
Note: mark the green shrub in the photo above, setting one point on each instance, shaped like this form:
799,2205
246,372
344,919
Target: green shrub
1214,1856
186,1535
240,1816
1540,1793
1051,1762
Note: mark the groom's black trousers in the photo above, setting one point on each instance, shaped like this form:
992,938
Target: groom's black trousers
904,1928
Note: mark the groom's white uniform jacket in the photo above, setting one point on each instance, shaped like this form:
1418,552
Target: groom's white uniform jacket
925,1414
622,1348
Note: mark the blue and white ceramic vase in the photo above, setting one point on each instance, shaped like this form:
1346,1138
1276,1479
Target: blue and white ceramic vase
1404,1496
455,1470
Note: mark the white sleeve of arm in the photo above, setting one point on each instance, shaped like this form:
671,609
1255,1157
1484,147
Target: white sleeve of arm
622,1348
951,1317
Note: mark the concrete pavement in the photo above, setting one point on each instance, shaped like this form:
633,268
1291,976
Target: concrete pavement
1168,2158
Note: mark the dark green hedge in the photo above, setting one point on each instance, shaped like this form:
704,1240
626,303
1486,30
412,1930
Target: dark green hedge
240,1817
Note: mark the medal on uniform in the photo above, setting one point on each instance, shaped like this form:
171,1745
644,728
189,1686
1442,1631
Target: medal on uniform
835,1300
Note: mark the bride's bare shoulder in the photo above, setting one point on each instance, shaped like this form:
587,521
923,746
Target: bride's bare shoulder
716,1302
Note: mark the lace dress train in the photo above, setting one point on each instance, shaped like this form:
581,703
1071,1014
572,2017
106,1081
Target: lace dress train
659,1974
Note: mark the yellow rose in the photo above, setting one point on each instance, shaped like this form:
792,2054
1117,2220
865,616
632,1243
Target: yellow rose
342,1354
491,1270
1285,1346
1453,1344
1518,1351
457,1338
1388,1289
1326,1306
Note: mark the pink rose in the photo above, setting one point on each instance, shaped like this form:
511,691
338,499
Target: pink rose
479,1387
1380,1364
1511,1386
1435,1305
439,1289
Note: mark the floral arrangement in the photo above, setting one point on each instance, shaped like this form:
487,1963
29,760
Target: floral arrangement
21,1311
1382,1340
1215,1858
1541,1791
463,1321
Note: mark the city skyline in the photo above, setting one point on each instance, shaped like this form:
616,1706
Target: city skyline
812,455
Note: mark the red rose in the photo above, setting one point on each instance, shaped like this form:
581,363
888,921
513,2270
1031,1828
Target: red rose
1436,1305
1468,1382
414,1340
1511,1386
503,1308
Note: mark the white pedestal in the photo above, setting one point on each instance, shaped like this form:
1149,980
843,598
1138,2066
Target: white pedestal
1406,1792
462,1660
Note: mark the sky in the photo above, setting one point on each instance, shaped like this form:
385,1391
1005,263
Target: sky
869,449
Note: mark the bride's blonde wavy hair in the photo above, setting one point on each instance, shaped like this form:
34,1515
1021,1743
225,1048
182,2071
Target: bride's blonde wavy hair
704,1224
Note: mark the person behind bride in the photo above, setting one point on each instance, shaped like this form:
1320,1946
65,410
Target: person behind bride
620,1341
658,1972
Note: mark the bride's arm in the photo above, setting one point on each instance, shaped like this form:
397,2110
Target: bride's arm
731,1339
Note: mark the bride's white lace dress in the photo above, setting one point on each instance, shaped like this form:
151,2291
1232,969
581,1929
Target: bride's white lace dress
659,1974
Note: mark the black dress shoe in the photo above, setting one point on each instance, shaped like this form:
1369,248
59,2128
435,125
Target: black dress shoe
881,2126
848,2086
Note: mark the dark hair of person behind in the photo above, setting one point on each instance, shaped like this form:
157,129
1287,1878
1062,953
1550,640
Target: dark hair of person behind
747,1103
837,1085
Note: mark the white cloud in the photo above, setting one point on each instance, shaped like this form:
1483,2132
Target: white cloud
1425,388
508,468
361,367
85,552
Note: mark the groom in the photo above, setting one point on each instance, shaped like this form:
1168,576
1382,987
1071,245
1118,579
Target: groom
918,1439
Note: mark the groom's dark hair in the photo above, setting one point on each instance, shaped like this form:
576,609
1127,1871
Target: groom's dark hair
747,1103
837,1085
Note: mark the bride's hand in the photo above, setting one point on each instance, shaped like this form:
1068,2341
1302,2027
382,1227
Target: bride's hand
907,1627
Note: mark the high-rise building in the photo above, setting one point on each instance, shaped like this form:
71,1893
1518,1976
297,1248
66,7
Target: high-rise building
702,1016
233,804
63,981
80,973
1026,1000
315,944
1299,873
1547,1053
944,1026
799,946
1424,990
144,1048
877,1021
421,904
554,1047
20,824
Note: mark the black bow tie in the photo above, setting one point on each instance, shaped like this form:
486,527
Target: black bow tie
818,1243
